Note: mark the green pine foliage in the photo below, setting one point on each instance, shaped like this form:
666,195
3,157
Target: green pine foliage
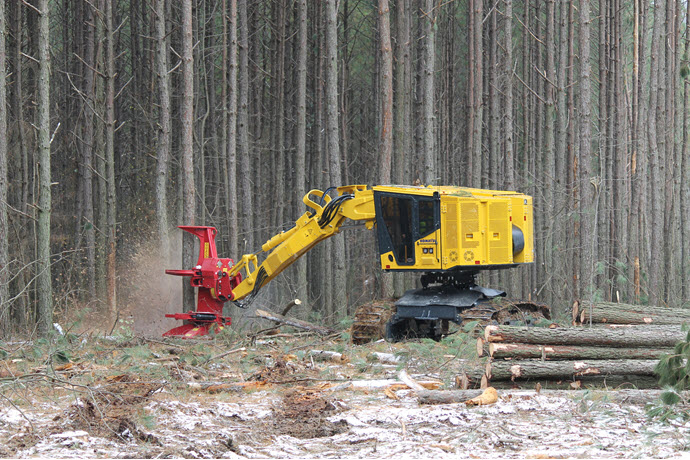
674,377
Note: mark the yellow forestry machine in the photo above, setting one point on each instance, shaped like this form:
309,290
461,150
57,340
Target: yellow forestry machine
447,234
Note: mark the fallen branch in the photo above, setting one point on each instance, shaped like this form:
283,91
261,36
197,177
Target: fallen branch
224,354
409,381
446,396
299,324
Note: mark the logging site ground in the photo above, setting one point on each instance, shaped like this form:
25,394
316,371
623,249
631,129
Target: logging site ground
280,393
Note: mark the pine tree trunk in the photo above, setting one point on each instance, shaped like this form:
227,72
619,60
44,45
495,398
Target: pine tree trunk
430,174
187,147
4,243
111,203
301,135
587,183
509,129
246,187
87,151
656,217
386,104
333,148
233,206
402,95
685,166
476,152
44,278
163,147
549,168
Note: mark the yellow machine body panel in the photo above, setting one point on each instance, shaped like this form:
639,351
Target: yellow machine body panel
452,228
427,229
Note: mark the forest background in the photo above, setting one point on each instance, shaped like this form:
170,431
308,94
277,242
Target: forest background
120,119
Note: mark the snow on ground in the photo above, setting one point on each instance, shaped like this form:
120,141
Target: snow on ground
522,424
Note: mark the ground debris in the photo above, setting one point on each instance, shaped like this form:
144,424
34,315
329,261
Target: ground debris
111,410
276,401
303,413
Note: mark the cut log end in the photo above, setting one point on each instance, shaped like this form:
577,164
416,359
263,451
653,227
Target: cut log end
490,334
480,347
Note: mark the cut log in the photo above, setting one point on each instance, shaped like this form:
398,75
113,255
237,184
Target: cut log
481,347
635,308
299,324
462,381
325,355
552,352
590,382
289,306
513,370
446,396
617,313
576,312
631,336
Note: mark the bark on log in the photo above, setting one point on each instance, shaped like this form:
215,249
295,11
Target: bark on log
635,308
446,396
632,314
631,336
552,352
294,322
591,382
513,370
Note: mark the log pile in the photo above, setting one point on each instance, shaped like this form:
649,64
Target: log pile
576,356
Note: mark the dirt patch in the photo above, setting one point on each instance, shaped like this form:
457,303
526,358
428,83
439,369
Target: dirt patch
304,414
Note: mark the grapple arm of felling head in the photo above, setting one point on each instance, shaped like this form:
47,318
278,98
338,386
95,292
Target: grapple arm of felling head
211,275
220,280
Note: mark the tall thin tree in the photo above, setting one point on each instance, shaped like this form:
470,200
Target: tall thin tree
44,277
164,120
4,246
333,145
187,145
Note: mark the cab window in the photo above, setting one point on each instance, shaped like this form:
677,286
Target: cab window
427,221
397,216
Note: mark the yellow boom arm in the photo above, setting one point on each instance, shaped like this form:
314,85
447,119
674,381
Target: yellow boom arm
353,202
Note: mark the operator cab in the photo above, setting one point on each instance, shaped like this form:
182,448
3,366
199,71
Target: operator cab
404,222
